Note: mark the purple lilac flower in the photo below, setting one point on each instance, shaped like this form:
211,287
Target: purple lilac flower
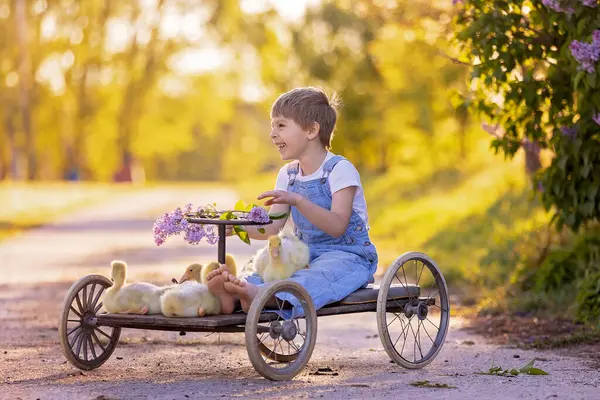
173,223
165,226
587,54
258,214
590,3
540,187
596,118
569,132
194,233
211,236
557,6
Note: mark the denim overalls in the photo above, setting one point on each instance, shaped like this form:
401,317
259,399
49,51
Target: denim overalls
337,266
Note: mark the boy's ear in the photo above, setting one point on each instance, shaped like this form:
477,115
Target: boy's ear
313,130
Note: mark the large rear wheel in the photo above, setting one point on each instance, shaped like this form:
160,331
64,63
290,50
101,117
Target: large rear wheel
413,329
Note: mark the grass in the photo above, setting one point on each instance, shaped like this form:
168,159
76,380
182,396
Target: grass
458,217
29,205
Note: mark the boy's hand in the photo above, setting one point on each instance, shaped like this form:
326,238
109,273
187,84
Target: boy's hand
280,197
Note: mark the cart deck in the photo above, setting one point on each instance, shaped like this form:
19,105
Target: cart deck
363,300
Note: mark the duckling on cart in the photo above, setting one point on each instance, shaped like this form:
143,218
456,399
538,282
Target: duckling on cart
410,303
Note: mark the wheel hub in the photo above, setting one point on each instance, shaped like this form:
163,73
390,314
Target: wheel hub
88,321
410,308
422,310
416,307
287,330
275,329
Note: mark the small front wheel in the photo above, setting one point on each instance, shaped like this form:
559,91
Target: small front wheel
413,311
84,344
280,339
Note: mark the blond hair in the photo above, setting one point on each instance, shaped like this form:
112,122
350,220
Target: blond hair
309,105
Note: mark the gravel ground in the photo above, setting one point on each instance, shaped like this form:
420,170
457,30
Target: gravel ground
39,267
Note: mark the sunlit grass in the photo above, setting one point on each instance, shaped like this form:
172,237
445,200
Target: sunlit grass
459,218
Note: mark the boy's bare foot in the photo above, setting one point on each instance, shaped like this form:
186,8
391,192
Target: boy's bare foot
222,269
214,281
246,291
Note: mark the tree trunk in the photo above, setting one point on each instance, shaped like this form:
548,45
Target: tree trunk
135,93
77,163
13,165
25,88
532,158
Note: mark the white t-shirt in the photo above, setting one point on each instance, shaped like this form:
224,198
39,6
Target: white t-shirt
344,175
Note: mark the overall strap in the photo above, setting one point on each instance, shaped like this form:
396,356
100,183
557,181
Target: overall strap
292,169
328,166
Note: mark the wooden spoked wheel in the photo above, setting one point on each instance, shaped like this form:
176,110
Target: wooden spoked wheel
84,344
280,341
413,329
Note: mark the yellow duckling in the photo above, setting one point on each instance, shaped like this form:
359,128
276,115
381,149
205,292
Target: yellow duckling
134,298
198,273
192,298
284,255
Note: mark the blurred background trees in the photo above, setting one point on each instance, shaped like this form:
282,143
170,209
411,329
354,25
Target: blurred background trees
177,89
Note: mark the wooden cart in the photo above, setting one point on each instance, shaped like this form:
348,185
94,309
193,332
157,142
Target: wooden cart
411,306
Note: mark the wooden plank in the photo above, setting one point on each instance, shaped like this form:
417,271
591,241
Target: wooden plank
225,323
211,321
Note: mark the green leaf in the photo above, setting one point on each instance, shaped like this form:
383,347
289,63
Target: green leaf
249,207
592,190
591,80
261,230
514,372
578,78
582,25
241,233
536,371
562,163
570,220
227,216
239,206
279,215
527,366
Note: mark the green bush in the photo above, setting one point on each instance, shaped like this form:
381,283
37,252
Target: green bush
535,76
588,300
566,264
553,272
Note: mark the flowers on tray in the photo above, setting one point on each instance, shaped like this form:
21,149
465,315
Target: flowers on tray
176,222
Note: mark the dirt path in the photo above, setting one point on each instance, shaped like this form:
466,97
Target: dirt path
39,267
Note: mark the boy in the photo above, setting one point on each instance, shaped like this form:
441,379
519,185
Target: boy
324,195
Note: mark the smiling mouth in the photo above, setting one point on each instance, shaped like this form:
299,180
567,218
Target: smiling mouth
280,146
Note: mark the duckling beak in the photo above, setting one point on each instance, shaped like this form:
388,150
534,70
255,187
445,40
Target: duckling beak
184,278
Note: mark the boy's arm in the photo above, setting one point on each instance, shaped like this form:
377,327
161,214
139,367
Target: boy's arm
272,228
334,222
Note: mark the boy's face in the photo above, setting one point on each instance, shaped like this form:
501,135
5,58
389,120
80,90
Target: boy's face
289,137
